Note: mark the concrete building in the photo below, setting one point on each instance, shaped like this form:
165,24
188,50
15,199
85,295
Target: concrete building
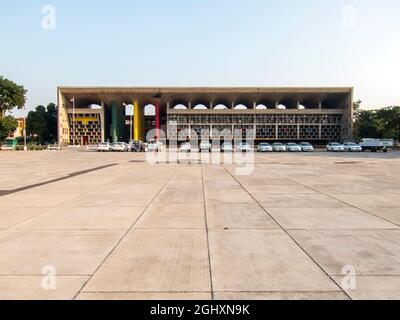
90,115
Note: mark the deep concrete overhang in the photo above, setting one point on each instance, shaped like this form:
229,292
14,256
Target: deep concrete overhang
247,95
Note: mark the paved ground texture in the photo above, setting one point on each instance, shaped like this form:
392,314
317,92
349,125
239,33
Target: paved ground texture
81,225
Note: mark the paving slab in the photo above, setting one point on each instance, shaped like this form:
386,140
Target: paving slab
228,195
145,296
260,191
152,260
280,295
370,200
391,214
71,252
370,252
85,218
262,260
105,199
373,287
30,288
337,188
11,216
327,218
173,215
180,196
238,216
311,200
25,198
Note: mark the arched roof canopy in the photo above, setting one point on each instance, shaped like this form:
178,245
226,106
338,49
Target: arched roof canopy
261,107
200,107
220,107
240,107
180,106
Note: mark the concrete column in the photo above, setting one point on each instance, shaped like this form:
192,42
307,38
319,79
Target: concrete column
102,123
298,104
211,105
320,132
298,132
276,132
114,122
158,120
138,133
189,105
276,104
319,105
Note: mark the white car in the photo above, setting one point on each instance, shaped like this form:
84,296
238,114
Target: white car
120,146
352,147
279,147
264,147
293,147
334,147
243,147
227,147
185,147
306,147
205,146
104,146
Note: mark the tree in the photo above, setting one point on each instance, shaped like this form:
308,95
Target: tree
52,122
12,95
381,124
7,126
41,124
388,123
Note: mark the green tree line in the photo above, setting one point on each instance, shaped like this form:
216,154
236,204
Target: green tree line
380,123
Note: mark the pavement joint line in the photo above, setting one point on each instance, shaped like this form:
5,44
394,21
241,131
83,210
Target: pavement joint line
71,175
334,198
289,235
126,233
207,229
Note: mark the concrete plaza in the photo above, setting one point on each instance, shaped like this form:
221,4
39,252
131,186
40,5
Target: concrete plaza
112,226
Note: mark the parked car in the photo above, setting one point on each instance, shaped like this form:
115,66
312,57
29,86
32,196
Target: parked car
334,147
293,147
205,146
185,147
352,147
119,146
243,147
279,147
227,147
136,146
104,147
264,147
306,147
373,145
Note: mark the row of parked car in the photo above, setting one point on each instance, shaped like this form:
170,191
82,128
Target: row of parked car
134,146
139,146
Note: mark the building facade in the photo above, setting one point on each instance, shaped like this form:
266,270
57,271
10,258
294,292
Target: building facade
89,115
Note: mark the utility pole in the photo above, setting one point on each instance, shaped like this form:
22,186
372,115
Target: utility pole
73,120
25,146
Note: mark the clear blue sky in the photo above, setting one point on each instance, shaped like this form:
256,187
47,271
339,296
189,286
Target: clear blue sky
204,42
